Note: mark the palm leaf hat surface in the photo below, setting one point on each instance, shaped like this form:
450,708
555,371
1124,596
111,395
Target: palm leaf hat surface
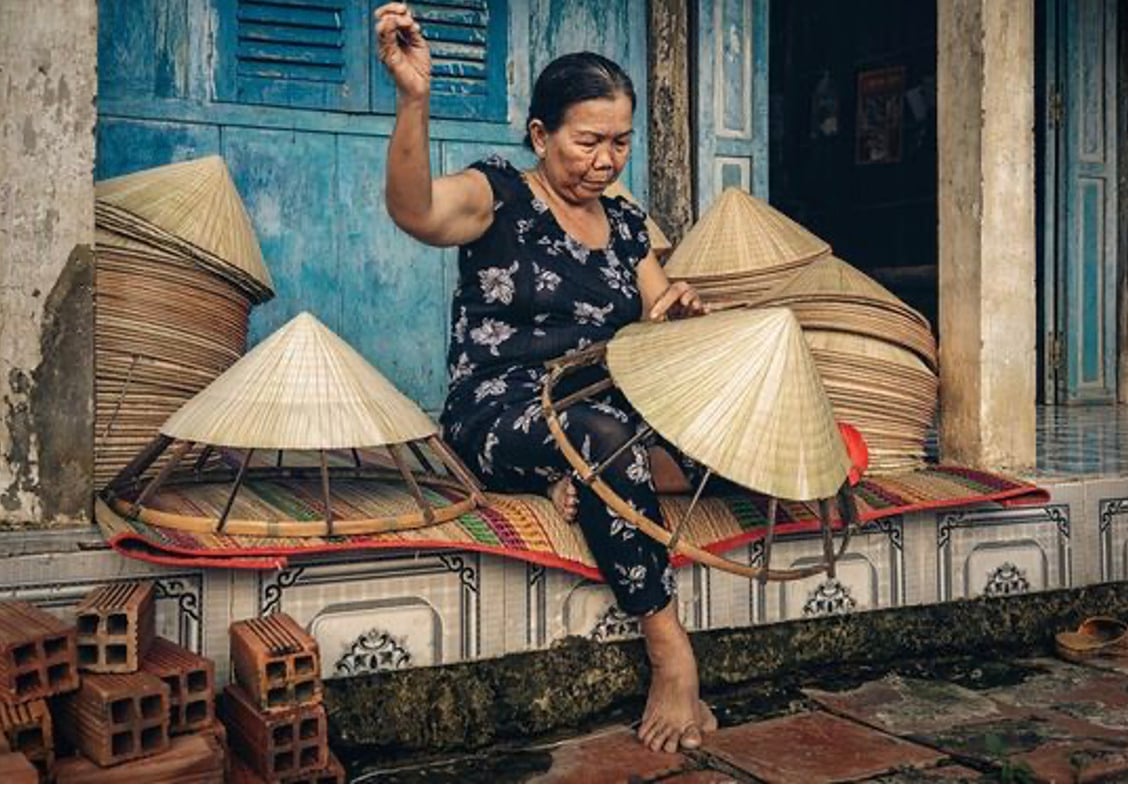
303,390
736,391
192,207
742,248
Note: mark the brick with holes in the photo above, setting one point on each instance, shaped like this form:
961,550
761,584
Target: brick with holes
275,744
37,654
196,758
334,773
114,718
276,662
27,729
191,684
116,626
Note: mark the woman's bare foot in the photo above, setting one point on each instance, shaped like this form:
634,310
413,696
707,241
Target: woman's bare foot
674,716
563,495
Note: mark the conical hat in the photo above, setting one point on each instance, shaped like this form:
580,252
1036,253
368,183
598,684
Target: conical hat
197,203
830,275
741,234
739,392
658,240
302,388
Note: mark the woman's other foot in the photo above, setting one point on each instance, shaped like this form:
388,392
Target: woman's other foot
564,497
674,717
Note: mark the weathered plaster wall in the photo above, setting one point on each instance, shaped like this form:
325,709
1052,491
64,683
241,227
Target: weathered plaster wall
671,168
1122,198
47,87
987,236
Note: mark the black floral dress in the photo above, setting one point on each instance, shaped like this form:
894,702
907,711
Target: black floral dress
528,293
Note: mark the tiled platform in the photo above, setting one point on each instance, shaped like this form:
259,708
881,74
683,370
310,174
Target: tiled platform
392,610
1039,720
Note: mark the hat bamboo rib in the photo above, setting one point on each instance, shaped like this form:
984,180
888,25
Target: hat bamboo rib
741,235
197,204
658,240
739,392
303,388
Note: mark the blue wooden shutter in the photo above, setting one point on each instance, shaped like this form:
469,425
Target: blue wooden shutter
469,47
298,53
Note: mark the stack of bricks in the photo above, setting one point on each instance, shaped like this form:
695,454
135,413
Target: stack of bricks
136,695
273,712
37,661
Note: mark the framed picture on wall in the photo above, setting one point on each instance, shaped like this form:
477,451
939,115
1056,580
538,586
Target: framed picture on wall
880,106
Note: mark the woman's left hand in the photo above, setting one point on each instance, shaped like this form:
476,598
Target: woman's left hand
678,301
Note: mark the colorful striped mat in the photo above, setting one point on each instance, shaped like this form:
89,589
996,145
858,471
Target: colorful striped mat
525,527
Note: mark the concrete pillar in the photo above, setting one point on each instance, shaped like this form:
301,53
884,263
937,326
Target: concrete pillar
671,167
985,86
48,77
1122,199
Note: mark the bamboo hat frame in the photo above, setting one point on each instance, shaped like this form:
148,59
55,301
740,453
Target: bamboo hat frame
301,390
716,420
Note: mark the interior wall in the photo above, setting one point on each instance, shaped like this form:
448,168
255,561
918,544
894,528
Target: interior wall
866,185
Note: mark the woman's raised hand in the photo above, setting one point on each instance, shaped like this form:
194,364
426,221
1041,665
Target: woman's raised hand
403,50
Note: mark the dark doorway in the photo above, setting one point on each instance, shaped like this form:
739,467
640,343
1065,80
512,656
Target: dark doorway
852,137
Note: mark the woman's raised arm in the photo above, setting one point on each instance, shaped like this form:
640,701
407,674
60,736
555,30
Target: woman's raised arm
447,211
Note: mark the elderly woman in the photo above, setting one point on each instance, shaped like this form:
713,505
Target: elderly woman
549,265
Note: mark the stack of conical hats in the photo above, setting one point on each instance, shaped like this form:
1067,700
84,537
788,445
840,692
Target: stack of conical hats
876,355
658,240
753,409
302,389
742,249
177,270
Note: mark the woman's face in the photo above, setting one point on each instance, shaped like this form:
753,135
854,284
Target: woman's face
589,150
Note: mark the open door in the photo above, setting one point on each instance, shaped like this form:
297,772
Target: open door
1080,202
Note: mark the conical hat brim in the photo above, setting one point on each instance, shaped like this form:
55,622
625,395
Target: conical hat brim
302,388
831,276
739,392
196,203
741,235
658,240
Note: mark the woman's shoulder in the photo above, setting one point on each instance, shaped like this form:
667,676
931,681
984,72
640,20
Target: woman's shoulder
505,180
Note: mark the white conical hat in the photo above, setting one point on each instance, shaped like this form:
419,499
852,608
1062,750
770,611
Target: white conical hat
741,235
197,204
737,391
302,388
658,240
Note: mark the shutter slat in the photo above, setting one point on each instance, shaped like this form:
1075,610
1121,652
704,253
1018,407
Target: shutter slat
289,71
440,86
453,51
302,36
459,69
290,54
328,18
454,33
476,5
477,19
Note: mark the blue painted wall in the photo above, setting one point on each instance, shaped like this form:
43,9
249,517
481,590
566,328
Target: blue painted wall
312,175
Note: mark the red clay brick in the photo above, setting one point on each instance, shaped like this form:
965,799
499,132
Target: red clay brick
116,626
16,769
197,758
608,758
332,774
27,729
699,777
191,683
114,718
276,744
37,654
814,748
276,662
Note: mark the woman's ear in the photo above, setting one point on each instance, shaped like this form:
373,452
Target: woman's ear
538,135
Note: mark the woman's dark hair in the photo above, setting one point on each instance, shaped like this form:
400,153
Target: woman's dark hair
570,79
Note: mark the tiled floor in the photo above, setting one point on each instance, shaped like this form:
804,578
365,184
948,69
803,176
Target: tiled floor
1073,441
1083,440
1039,720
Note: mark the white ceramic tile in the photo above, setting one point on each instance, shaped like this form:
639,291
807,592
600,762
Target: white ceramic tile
1106,520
